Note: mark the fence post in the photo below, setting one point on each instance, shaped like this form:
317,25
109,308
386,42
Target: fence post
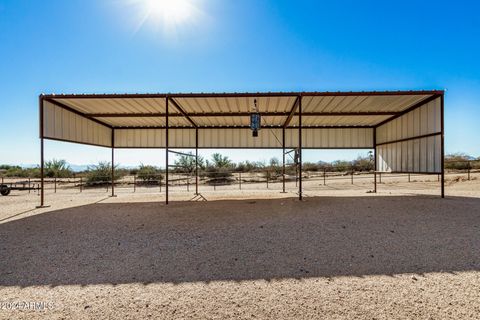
214,184
352,176
134,183
55,185
81,184
409,177
468,170
28,185
324,176
160,181
267,179
188,184
379,177
296,175
240,180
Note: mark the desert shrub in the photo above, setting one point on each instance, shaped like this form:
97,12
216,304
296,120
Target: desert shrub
219,175
101,174
219,170
340,165
364,163
310,166
274,168
459,161
19,172
249,166
57,169
187,163
149,174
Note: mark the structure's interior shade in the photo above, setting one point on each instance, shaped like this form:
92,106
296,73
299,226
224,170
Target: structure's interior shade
412,142
64,125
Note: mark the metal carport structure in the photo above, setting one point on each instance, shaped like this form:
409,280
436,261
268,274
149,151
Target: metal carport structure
404,128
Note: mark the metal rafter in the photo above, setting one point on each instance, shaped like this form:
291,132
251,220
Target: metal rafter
180,109
237,114
245,127
291,113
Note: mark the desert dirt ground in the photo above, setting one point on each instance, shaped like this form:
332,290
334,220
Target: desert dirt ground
342,253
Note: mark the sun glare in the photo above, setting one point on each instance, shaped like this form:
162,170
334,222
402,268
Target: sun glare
170,11
167,15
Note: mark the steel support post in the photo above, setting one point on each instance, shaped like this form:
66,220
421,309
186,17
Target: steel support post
42,159
113,163
443,146
166,151
196,161
300,148
375,160
283,162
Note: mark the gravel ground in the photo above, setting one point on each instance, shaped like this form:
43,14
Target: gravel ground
347,254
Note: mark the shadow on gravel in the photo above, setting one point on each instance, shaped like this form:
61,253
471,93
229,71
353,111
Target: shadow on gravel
115,243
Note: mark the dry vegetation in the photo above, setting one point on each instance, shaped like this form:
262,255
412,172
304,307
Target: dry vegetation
342,253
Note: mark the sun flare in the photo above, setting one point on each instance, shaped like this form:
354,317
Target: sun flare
170,11
167,15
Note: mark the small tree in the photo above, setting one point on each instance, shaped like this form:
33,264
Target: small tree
188,163
220,161
57,169
363,163
219,169
101,173
274,168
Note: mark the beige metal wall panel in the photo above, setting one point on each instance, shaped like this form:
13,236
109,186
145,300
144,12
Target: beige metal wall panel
416,155
222,121
61,124
419,155
239,138
154,138
423,120
181,138
319,138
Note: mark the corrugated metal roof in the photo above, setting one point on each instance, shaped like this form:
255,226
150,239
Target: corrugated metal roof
232,109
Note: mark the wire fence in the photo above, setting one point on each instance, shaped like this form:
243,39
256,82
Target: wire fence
226,179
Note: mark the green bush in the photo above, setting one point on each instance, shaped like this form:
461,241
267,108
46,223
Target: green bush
19,172
219,171
459,161
149,174
187,163
101,174
57,169
219,175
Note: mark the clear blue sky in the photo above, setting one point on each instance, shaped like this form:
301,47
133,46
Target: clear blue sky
92,46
